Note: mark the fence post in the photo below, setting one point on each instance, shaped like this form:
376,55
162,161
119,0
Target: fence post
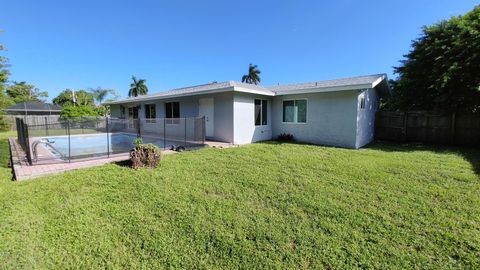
185,124
405,126
204,132
164,134
139,133
427,128
108,138
68,134
27,143
46,126
453,127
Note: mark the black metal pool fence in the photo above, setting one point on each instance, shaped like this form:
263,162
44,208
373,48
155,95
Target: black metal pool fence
100,137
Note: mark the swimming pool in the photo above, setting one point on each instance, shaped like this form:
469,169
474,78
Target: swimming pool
82,146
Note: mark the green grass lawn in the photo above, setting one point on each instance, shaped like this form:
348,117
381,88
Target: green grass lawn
262,205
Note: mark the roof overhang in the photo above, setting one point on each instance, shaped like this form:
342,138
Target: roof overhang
210,91
381,84
324,89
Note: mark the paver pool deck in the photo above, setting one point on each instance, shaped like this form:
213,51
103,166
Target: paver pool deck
23,171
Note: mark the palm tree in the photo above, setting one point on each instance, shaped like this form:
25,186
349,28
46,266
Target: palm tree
253,76
100,94
137,87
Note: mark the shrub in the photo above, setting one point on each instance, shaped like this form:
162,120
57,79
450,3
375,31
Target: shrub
285,137
78,112
4,124
138,142
145,155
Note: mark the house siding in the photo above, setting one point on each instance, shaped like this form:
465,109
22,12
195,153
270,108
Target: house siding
331,118
366,117
189,107
245,130
223,114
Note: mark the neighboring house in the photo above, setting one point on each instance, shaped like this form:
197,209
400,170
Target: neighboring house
33,108
335,112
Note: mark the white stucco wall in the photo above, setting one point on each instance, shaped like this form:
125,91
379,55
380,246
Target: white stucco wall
189,107
244,128
331,118
366,117
223,111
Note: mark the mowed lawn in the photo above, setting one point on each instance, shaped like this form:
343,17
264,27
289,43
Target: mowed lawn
257,206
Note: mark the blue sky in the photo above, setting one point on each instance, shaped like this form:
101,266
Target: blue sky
87,44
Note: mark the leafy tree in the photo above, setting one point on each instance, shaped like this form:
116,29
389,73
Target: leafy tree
73,98
100,94
441,72
75,112
5,101
23,92
4,73
114,95
137,87
253,76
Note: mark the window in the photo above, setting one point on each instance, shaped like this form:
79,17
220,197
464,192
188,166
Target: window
261,112
362,103
295,111
172,112
150,113
122,112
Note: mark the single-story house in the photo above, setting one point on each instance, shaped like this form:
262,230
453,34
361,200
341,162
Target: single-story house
34,108
337,112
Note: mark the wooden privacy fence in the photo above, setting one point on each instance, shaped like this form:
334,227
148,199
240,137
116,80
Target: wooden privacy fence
428,127
32,120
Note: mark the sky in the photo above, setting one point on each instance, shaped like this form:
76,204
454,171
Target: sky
56,45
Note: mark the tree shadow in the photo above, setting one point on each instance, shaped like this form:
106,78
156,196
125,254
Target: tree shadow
471,154
124,163
5,153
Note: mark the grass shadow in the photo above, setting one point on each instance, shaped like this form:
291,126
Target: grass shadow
471,154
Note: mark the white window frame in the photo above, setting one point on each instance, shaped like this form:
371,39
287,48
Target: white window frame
261,112
172,121
306,113
150,119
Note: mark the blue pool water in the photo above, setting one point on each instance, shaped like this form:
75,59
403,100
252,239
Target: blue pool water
96,144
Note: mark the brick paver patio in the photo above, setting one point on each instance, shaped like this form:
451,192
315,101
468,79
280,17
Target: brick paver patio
22,170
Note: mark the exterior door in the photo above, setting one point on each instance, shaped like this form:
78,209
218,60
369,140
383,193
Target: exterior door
206,109
133,117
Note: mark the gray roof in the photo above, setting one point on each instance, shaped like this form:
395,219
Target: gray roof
203,88
360,82
36,106
347,83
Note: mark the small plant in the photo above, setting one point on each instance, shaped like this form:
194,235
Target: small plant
285,137
137,142
145,155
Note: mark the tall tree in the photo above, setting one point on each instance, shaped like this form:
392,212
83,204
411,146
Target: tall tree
70,97
253,76
23,92
100,94
441,72
137,87
5,101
